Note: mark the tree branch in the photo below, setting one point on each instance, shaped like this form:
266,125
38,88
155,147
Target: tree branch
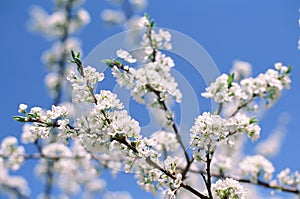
258,182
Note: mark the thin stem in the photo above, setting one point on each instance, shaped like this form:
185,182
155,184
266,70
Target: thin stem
220,107
241,107
258,182
187,167
174,127
149,33
208,164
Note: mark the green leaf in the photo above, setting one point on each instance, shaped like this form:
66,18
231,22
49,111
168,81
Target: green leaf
109,62
289,69
73,54
230,80
253,120
106,61
30,115
71,61
152,24
19,118
76,58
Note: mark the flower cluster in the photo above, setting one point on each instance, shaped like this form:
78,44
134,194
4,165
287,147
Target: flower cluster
82,86
154,76
207,130
107,120
9,183
254,166
42,122
222,90
164,141
113,16
287,178
52,25
152,178
74,167
11,158
267,86
53,56
152,39
12,152
210,129
241,123
228,188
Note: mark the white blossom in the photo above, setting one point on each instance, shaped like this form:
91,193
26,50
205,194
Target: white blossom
17,183
220,90
112,16
52,81
82,85
22,108
241,70
228,188
168,194
56,150
41,131
123,54
27,135
286,177
36,111
138,4
107,100
57,52
267,86
122,123
164,141
83,17
241,123
254,166
96,185
50,25
57,112
13,152
143,22
207,130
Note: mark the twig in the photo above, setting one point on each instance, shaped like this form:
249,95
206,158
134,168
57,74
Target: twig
258,182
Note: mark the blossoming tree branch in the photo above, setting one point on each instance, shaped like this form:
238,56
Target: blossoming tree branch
78,145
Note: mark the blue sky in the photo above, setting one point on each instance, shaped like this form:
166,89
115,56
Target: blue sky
261,32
